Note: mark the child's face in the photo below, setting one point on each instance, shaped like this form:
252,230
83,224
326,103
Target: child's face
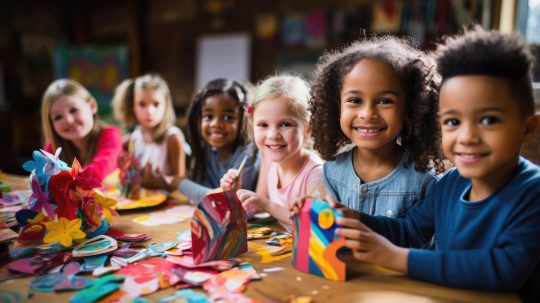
149,107
72,117
278,133
372,106
482,127
220,121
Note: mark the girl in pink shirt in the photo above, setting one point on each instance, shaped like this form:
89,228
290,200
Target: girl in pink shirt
279,123
69,117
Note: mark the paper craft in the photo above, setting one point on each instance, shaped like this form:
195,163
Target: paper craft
64,280
144,198
315,243
18,197
96,246
130,175
218,228
233,280
101,287
170,216
64,204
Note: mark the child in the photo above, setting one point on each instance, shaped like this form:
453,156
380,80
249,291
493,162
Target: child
145,104
280,126
379,94
485,213
69,117
215,122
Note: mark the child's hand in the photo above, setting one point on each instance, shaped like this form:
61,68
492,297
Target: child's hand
296,205
369,246
231,180
250,199
347,212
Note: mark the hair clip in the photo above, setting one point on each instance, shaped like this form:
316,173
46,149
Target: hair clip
96,246
250,109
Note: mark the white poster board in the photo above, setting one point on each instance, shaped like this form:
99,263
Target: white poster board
223,56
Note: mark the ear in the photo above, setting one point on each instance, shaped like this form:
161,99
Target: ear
93,105
532,127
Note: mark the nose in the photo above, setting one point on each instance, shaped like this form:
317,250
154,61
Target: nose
367,112
274,133
216,122
69,118
468,134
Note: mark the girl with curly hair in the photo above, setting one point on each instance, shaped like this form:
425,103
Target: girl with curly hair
215,132
380,96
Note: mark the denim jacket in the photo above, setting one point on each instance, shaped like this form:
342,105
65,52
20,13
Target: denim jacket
390,196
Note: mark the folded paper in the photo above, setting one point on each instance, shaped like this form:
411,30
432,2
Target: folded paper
315,243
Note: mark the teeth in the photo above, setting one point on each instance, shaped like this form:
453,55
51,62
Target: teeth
369,130
274,147
469,156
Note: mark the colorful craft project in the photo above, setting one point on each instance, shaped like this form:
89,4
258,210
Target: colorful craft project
315,243
145,197
65,204
130,175
218,228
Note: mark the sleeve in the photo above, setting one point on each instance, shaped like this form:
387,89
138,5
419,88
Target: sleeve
48,147
314,182
505,266
192,190
328,184
108,148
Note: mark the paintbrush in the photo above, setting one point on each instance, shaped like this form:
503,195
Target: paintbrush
240,168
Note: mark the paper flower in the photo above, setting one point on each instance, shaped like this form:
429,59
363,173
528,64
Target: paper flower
36,166
64,231
53,165
40,199
106,203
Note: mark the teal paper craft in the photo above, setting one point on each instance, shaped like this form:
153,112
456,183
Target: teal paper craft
102,287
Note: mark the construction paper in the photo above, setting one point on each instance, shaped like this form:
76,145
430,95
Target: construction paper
218,228
315,243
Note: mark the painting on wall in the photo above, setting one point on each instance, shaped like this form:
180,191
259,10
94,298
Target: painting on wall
100,69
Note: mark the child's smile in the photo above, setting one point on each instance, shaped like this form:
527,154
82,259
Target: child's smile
372,105
220,122
482,128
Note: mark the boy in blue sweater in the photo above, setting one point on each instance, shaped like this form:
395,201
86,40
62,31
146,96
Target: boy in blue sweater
484,214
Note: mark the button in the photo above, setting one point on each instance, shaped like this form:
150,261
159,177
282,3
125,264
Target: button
389,213
365,190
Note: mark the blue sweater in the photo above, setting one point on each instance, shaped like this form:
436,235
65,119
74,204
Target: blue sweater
492,244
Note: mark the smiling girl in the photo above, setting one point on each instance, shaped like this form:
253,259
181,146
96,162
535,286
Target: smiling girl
69,117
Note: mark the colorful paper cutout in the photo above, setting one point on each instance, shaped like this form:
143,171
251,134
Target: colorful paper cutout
96,246
218,228
315,243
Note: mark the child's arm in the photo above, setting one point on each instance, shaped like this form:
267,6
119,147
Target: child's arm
108,148
177,155
278,211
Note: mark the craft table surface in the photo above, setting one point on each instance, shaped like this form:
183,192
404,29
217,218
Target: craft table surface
367,284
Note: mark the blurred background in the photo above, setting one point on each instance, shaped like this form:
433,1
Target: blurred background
100,43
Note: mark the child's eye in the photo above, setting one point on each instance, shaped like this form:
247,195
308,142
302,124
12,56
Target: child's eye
451,122
262,125
354,100
228,118
385,101
56,118
73,110
488,120
285,125
207,118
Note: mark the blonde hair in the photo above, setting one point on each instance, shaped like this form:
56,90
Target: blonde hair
293,88
71,88
124,98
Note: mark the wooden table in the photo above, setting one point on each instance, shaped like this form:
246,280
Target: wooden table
367,283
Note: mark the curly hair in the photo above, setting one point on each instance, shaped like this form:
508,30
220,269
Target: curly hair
490,53
419,80
239,92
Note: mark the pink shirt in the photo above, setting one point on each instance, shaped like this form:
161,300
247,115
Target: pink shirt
308,181
108,148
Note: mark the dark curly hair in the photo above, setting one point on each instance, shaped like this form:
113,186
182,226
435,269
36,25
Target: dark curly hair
490,53
239,91
419,79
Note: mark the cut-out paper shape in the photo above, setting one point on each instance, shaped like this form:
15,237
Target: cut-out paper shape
64,231
13,198
102,287
37,263
64,280
7,235
233,280
188,296
94,262
121,236
218,228
96,246
315,243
